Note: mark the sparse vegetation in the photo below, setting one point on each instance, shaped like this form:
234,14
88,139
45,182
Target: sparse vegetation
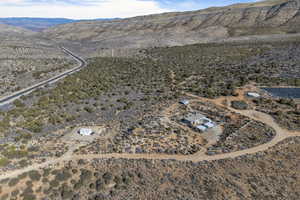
240,105
141,178
3,161
134,101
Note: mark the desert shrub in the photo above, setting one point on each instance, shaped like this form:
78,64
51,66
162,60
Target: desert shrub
92,186
46,172
289,102
74,171
54,183
240,105
89,109
29,183
99,197
45,180
107,176
18,103
13,182
47,191
15,193
54,172
28,191
4,162
4,197
140,175
22,176
3,181
34,126
81,162
62,176
85,175
23,163
39,189
126,179
29,197
66,193
100,185
34,175
12,153
78,185
33,148
96,174
118,180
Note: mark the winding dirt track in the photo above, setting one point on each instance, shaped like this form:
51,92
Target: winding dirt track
281,134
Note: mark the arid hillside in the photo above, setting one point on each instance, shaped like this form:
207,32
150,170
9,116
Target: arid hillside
169,29
26,59
6,30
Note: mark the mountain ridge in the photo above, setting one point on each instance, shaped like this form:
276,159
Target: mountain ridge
39,24
180,28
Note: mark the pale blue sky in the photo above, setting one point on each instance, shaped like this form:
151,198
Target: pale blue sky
88,9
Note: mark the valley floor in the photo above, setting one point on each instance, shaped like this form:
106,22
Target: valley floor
132,106
281,134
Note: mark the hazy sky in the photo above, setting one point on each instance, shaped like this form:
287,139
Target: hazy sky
88,9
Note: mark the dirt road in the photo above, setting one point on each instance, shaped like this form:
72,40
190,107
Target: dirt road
281,134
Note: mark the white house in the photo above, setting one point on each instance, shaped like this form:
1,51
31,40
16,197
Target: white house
194,119
198,121
85,132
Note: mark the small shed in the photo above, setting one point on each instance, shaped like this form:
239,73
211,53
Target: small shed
86,132
201,128
184,102
253,94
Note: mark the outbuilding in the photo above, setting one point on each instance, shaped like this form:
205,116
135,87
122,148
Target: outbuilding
184,102
86,132
253,94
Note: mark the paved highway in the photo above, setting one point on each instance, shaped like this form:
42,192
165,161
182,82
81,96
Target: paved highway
81,63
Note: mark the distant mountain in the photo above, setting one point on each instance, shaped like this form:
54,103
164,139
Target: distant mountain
181,28
39,24
16,37
9,32
35,24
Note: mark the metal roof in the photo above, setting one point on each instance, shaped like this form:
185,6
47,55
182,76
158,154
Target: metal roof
194,117
253,94
184,102
209,125
201,128
85,131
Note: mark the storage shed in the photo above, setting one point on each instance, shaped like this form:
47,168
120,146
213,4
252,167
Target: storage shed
85,132
253,94
184,102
